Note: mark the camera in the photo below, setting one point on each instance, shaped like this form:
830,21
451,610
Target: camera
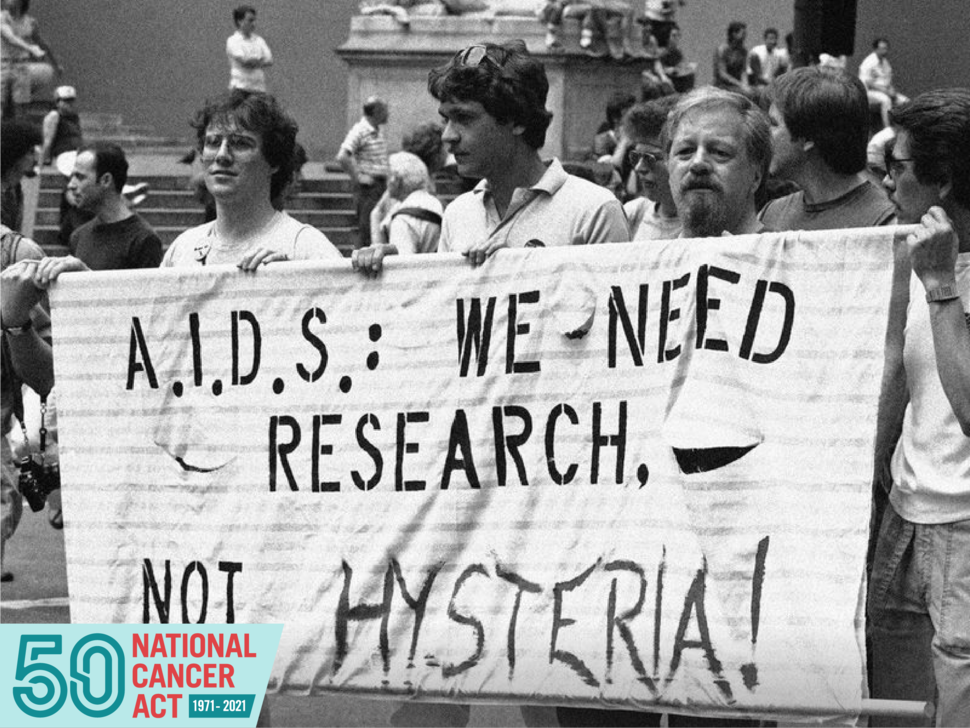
37,481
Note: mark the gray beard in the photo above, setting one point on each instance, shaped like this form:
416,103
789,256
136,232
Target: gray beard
704,215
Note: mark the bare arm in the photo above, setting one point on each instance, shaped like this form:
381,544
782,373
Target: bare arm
933,249
30,353
8,35
349,165
49,130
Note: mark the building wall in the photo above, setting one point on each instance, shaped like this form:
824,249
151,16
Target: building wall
155,61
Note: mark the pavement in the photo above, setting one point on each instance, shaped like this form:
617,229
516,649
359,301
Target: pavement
39,595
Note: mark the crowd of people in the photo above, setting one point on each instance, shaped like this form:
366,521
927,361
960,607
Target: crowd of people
718,160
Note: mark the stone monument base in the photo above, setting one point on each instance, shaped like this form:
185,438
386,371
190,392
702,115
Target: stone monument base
392,61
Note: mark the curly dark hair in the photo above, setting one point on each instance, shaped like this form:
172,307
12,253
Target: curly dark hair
505,79
261,114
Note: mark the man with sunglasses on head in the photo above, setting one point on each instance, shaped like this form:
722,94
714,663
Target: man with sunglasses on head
819,130
919,594
492,100
654,215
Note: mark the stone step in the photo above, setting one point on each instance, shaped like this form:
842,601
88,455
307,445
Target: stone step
331,184
46,236
160,217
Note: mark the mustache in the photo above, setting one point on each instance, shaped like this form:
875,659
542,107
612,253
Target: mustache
699,183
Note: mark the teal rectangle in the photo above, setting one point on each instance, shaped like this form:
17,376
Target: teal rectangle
220,705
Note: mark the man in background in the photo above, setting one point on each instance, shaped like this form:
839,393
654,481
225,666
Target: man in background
363,156
767,61
115,238
819,129
248,53
876,72
654,215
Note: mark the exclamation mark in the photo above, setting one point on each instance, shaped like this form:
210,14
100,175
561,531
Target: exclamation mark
196,348
749,671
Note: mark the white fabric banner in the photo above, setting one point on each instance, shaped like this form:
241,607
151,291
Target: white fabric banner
625,474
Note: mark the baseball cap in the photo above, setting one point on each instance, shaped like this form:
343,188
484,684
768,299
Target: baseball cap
65,92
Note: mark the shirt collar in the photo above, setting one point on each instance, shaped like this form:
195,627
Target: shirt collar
551,180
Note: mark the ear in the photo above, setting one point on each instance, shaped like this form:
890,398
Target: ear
945,189
106,180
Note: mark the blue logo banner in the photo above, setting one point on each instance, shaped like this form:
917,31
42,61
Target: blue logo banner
134,674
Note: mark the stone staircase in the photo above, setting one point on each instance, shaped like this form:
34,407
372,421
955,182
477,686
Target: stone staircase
171,207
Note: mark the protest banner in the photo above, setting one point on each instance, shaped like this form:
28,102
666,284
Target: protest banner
632,475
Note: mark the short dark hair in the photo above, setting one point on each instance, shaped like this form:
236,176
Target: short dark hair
239,14
734,26
424,141
829,107
17,138
938,126
770,31
373,104
261,114
110,159
647,119
618,103
509,82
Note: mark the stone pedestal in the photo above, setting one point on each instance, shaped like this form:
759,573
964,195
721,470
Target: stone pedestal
392,61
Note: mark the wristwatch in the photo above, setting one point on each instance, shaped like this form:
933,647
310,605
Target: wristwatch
943,293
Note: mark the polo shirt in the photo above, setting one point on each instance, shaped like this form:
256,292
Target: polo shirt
559,209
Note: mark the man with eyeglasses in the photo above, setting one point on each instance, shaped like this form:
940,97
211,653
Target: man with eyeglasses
247,144
654,215
919,594
492,99
819,130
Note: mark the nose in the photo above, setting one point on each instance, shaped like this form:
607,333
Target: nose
700,160
450,134
888,182
224,151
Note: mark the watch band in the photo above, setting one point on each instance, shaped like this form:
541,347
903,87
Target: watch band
19,330
943,293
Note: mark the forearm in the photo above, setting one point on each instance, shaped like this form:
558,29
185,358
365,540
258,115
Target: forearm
951,341
348,164
32,360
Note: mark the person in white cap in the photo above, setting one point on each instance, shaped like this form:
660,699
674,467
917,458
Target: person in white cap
62,131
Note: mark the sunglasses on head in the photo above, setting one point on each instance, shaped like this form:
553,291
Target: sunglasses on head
476,55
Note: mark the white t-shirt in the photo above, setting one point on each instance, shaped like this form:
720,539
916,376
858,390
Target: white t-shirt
201,246
240,48
646,222
931,465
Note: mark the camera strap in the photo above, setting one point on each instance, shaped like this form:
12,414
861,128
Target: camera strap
43,433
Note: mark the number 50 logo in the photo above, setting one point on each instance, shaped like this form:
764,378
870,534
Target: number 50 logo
97,675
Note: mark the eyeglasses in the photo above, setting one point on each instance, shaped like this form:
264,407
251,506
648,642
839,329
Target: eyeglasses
894,165
634,157
475,55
